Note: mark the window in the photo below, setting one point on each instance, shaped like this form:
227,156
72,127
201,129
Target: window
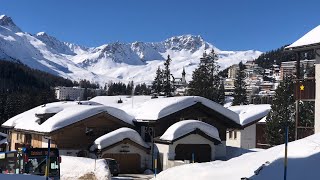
17,136
230,134
235,134
28,139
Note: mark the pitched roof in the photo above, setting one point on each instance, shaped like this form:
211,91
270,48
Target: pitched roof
251,113
312,38
64,114
117,136
145,108
184,127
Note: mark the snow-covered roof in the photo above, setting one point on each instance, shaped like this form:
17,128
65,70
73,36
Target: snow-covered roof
263,120
311,38
184,127
67,113
250,113
117,136
145,108
137,108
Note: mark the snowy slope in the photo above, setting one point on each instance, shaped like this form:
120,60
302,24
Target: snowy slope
135,61
303,159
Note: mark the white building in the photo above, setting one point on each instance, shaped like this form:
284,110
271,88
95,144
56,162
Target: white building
189,141
69,93
250,115
75,93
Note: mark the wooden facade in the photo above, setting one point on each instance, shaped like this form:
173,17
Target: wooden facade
261,139
79,135
305,89
82,134
195,112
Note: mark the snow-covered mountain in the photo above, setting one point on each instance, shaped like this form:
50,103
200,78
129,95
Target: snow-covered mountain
135,61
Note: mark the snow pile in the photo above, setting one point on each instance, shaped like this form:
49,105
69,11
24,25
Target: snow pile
312,37
186,126
303,160
73,168
117,136
251,113
20,177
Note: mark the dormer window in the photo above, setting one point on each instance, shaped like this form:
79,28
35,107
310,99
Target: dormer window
46,112
44,117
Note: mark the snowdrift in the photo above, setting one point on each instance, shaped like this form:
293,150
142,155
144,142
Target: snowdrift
303,160
73,168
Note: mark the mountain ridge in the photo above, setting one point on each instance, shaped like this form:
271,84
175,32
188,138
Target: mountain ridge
116,61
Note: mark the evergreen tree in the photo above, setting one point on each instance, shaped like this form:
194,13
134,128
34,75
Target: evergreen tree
281,114
240,94
167,85
206,81
306,114
129,88
157,84
221,95
142,89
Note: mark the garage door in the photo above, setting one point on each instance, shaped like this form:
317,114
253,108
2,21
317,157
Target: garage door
129,163
202,152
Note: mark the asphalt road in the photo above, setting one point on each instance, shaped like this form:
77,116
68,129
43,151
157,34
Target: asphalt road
132,177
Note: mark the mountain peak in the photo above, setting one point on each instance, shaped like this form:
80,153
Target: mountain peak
188,37
187,42
42,34
7,22
54,43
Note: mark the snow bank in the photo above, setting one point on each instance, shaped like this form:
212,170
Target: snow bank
117,136
73,168
303,160
250,113
20,177
184,127
312,37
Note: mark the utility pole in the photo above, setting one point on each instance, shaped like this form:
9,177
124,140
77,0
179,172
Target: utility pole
286,153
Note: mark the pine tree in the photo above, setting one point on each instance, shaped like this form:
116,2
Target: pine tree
221,95
157,84
306,113
206,81
167,85
129,88
281,114
240,95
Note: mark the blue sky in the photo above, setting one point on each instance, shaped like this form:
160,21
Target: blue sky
228,24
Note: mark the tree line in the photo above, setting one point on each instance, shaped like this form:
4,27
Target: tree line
23,88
